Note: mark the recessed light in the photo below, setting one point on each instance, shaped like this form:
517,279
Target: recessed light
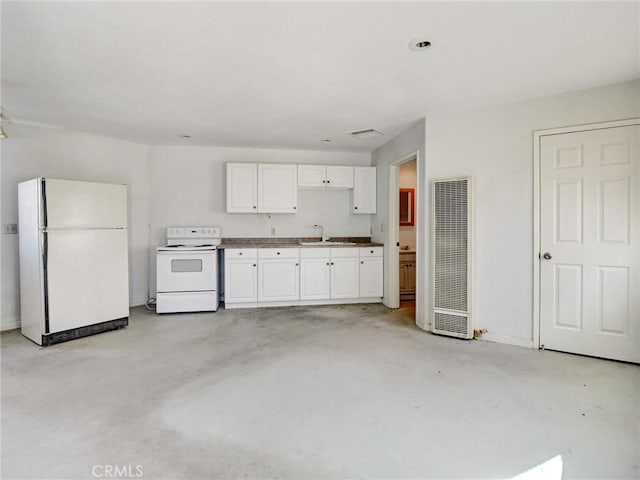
325,140
182,135
366,133
418,44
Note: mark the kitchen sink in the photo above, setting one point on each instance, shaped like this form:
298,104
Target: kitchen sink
327,244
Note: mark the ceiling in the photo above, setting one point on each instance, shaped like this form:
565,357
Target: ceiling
270,74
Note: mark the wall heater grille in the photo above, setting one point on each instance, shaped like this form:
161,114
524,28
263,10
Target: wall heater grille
452,257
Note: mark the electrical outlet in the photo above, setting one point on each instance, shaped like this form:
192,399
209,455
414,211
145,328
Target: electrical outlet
10,228
273,231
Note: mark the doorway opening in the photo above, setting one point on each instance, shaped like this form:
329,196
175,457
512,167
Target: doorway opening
403,228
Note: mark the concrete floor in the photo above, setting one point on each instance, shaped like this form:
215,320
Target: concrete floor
323,392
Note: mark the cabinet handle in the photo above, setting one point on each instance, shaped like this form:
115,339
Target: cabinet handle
254,264
328,181
255,206
278,253
331,263
361,263
239,253
355,208
324,181
327,263
296,264
371,251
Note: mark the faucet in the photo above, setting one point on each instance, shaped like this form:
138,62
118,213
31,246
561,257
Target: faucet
322,235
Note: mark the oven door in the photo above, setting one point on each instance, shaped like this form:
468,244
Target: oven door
193,271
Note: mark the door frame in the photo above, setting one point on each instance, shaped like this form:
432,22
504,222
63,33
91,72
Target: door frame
394,230
537,137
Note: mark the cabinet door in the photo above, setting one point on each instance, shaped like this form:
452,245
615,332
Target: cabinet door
315,278
345,278
312,176
411,278
364,190
277,188
278,280
371,277
339,177
242,188
240,281
404,277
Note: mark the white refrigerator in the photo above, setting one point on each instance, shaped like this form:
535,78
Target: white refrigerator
74,273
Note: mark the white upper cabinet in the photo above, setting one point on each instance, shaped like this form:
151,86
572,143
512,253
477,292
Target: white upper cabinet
277,188
339,177
321,176
364,190
242,187
258,188
312,176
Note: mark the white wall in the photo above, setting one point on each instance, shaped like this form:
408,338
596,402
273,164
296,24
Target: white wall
408,179
31,152
495,146
188,187
407,143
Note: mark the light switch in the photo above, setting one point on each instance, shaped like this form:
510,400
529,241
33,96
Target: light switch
10,228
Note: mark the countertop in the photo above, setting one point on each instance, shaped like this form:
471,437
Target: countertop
274,242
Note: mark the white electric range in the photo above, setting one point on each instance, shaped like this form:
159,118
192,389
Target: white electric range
187,270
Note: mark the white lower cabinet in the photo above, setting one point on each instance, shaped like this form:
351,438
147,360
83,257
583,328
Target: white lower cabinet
371,277
278,275
241,276
315,274
345,273
371,272
293,276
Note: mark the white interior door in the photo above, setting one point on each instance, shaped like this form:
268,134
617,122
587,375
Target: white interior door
87,277
589,237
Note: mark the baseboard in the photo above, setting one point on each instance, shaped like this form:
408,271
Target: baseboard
519,342
9,323
303,303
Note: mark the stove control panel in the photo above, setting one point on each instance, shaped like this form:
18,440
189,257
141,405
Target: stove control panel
193,232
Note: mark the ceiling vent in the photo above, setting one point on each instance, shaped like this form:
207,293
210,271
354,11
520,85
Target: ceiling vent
366,133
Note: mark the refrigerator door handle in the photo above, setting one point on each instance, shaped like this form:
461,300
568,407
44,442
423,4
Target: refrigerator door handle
43,203
45,280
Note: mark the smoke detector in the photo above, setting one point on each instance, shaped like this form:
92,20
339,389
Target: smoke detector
366,133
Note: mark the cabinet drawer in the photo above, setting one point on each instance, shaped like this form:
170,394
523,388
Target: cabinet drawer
321,252
344,252
240,253
278,253
371,251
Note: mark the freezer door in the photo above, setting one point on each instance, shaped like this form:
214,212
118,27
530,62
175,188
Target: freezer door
71,204
87,277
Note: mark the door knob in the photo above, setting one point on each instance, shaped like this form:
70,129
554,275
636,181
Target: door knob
546,256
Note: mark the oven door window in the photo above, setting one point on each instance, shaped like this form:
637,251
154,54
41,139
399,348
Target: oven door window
182,265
